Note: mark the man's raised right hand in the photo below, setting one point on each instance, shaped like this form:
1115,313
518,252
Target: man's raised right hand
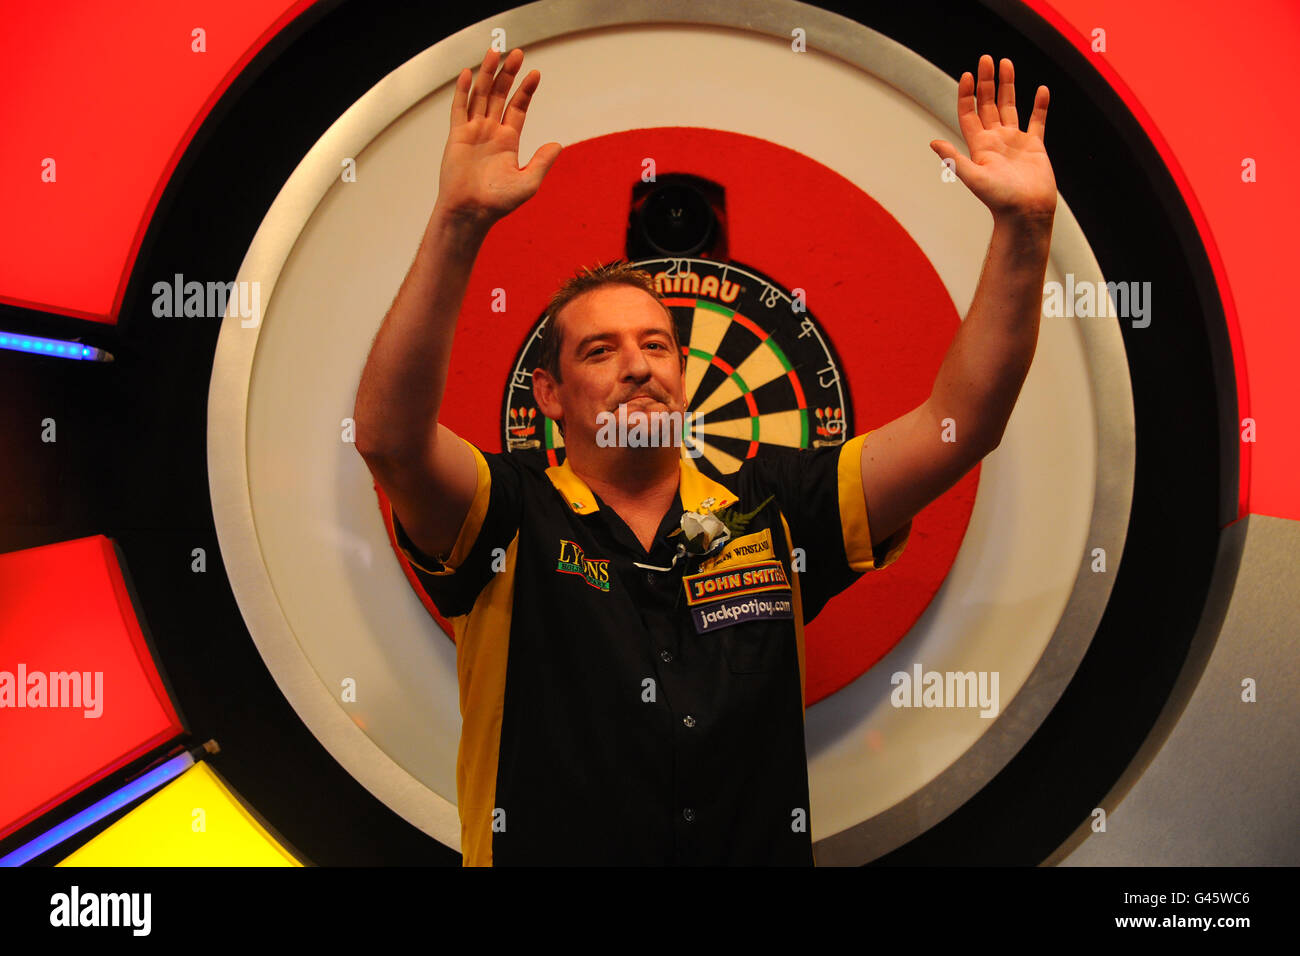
481,181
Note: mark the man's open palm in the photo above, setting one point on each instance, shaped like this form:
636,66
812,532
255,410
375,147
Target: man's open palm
1008,169
480,178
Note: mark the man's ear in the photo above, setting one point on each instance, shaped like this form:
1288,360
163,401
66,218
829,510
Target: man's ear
544,393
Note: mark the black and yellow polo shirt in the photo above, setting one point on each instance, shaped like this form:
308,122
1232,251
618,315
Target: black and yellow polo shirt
617,714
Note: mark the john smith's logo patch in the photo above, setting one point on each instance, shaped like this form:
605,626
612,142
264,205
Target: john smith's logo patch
709,586
595,571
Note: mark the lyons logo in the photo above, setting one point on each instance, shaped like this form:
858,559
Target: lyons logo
595,571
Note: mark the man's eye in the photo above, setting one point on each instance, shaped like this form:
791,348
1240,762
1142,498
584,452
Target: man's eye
599,348
658,345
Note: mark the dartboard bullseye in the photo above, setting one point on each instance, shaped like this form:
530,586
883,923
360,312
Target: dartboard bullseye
760,370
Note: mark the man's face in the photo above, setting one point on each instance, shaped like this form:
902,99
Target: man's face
617,347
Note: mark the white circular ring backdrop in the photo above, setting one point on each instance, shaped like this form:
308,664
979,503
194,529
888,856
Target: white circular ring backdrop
303,541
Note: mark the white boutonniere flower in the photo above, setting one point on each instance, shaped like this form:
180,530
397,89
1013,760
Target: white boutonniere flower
707,532
704,531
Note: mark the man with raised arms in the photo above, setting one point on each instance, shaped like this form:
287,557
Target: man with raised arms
626,696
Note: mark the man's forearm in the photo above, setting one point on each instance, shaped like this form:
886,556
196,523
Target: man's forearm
989,357
405,376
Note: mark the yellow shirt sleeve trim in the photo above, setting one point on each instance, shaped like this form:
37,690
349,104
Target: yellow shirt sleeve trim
853,515
473,520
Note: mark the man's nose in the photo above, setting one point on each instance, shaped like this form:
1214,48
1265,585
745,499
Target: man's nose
635,366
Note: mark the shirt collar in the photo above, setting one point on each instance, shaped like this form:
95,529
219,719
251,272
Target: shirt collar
694,487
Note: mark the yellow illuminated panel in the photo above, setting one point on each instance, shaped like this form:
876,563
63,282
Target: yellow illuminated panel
193,821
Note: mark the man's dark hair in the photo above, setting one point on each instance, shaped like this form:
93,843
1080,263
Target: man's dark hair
618,272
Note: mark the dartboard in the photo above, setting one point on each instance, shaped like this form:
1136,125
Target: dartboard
760,370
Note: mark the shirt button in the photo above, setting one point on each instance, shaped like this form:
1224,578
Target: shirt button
688,814
666,656
650,578
688,720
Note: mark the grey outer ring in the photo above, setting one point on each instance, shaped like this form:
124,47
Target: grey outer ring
381,105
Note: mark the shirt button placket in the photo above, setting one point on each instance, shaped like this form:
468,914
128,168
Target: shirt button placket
686,753
680,689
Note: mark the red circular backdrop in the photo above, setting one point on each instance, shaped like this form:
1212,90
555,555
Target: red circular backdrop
870,287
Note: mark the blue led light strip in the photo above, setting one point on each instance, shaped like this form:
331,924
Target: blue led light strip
97,811
54,348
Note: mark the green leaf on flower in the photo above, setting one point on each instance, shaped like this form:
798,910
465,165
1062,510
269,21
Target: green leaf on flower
738,522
